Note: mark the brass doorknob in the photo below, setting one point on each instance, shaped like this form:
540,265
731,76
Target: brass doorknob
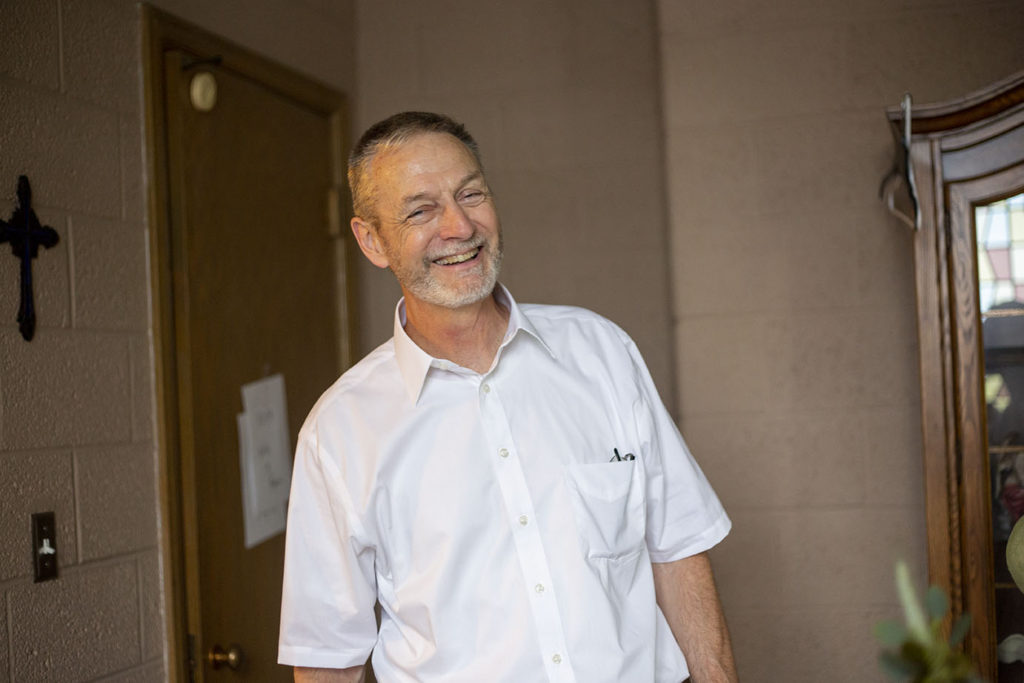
231,658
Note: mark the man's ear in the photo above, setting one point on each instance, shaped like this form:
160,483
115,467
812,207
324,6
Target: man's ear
369,242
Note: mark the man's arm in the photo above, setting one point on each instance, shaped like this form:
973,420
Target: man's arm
687,596
353,674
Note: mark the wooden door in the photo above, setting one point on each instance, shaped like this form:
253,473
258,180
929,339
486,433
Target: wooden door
253,281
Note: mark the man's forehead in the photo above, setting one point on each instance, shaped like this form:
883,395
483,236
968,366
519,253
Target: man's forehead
423,155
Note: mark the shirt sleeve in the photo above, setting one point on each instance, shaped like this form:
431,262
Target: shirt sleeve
327,616
684,516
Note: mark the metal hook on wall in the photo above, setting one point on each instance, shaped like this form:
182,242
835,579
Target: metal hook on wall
899,187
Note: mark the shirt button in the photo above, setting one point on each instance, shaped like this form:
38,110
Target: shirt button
486,388
557,659
539,588
523,519
503,452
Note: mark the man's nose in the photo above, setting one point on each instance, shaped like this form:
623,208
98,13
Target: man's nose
455,223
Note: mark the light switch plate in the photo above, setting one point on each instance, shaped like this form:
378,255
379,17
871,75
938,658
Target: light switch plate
44,546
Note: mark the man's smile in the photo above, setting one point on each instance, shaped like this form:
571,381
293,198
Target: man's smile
458,258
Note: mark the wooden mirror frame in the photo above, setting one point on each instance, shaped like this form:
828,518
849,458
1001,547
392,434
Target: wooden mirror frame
963,153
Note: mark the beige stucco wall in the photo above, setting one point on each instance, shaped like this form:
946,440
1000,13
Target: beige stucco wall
77,404
794,310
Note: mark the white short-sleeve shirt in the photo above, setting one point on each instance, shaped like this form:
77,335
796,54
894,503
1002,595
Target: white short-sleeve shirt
506,522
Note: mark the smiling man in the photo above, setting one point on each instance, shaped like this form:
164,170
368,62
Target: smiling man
501,477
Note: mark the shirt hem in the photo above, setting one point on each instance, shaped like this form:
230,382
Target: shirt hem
319,659
711,537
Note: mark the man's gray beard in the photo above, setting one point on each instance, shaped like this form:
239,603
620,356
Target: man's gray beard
430,290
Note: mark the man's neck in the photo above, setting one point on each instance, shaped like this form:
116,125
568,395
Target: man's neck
469,336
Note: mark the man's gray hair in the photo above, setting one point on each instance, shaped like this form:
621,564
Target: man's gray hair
390,133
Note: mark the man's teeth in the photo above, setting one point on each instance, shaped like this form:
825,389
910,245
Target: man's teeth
457,258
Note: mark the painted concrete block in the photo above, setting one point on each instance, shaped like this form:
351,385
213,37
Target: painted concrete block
936,55
68,149
76,628
834,644
529,51
846,556
723,364
101,47
133,173
117,500
893,457
613,43
111,285
151,597
789,71
30,49
747,563
142,388
64,388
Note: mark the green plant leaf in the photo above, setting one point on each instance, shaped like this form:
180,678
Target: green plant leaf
914,651
890,633
916,622
895,667
937,602
960,628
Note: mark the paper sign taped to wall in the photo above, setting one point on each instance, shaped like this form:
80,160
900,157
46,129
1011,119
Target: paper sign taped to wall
263,449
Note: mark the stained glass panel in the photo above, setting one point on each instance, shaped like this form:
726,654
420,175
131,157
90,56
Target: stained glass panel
1000,230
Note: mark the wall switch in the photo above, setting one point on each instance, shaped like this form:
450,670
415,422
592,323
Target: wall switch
44,546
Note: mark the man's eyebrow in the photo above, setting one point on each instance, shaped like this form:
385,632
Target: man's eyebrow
468,178
412,198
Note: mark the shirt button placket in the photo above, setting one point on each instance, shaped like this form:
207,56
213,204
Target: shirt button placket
529,547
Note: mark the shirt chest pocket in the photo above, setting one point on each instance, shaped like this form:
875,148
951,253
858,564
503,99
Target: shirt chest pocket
608,504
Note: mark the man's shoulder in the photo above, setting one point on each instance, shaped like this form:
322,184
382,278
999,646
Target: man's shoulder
364,379
561,312
555,319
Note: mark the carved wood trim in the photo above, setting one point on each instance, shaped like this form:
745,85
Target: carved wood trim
962,112
974,487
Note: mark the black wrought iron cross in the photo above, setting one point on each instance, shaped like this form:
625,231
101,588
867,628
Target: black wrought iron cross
25,234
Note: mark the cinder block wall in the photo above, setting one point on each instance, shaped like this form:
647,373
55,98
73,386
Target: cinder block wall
77,404
794,309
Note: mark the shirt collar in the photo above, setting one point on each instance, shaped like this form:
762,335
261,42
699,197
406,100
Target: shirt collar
414,363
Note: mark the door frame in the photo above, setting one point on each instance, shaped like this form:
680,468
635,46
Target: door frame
162,32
